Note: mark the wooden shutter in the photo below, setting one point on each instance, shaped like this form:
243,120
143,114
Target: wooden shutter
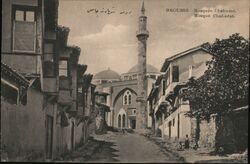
24,36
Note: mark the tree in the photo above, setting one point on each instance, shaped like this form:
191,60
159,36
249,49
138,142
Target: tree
224,86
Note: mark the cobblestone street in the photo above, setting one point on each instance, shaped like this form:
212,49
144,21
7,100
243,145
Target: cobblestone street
118,147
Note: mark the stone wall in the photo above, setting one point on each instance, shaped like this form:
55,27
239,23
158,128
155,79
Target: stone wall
207,133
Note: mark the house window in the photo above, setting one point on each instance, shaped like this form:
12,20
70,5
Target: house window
24,29
63,68
173,122
134,77
175,74
49,52
127,98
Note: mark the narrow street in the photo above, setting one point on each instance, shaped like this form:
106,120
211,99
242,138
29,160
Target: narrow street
118,147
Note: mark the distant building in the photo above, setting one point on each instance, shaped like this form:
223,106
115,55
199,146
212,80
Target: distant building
122,94
127,93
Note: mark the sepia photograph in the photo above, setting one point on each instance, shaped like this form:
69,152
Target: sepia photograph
124,81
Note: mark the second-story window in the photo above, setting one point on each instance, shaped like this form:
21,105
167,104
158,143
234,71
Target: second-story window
49,52
175,74
24,29
48,59
63,68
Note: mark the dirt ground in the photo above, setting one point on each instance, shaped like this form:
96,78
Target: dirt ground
119,147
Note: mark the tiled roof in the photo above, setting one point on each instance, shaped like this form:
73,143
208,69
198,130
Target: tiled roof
5,69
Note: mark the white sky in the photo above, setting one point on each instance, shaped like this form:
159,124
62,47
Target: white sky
110,40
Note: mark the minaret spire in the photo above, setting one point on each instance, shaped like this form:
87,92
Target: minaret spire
142,8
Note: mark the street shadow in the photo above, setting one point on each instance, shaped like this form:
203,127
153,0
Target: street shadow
105,153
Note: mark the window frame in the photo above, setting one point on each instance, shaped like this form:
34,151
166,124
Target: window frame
175,72
127,97
25,9
67,69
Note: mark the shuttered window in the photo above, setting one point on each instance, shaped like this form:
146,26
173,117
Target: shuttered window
49,52
24,31
175,74
63,68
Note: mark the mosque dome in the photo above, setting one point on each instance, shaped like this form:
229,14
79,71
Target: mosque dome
150,69
107,75
152,72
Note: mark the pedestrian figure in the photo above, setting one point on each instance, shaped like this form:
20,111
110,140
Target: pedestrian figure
186,142
180,148
123,131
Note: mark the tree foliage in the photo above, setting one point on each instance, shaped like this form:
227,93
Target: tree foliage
224,85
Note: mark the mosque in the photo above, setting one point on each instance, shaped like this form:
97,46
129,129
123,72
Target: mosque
127,93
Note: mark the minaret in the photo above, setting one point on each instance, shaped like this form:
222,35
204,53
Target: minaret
142,34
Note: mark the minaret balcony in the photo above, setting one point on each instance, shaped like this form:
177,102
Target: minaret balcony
142,33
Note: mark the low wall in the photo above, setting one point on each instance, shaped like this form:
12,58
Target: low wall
207,133
23,128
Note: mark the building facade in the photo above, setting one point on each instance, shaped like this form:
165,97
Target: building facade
167,106
39,89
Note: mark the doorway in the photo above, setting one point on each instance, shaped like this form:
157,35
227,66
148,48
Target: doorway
169,127
72,135
49,136
133,124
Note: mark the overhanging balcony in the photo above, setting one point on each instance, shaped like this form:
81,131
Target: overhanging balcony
65,83
50,85
161,103
171,87
65,98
